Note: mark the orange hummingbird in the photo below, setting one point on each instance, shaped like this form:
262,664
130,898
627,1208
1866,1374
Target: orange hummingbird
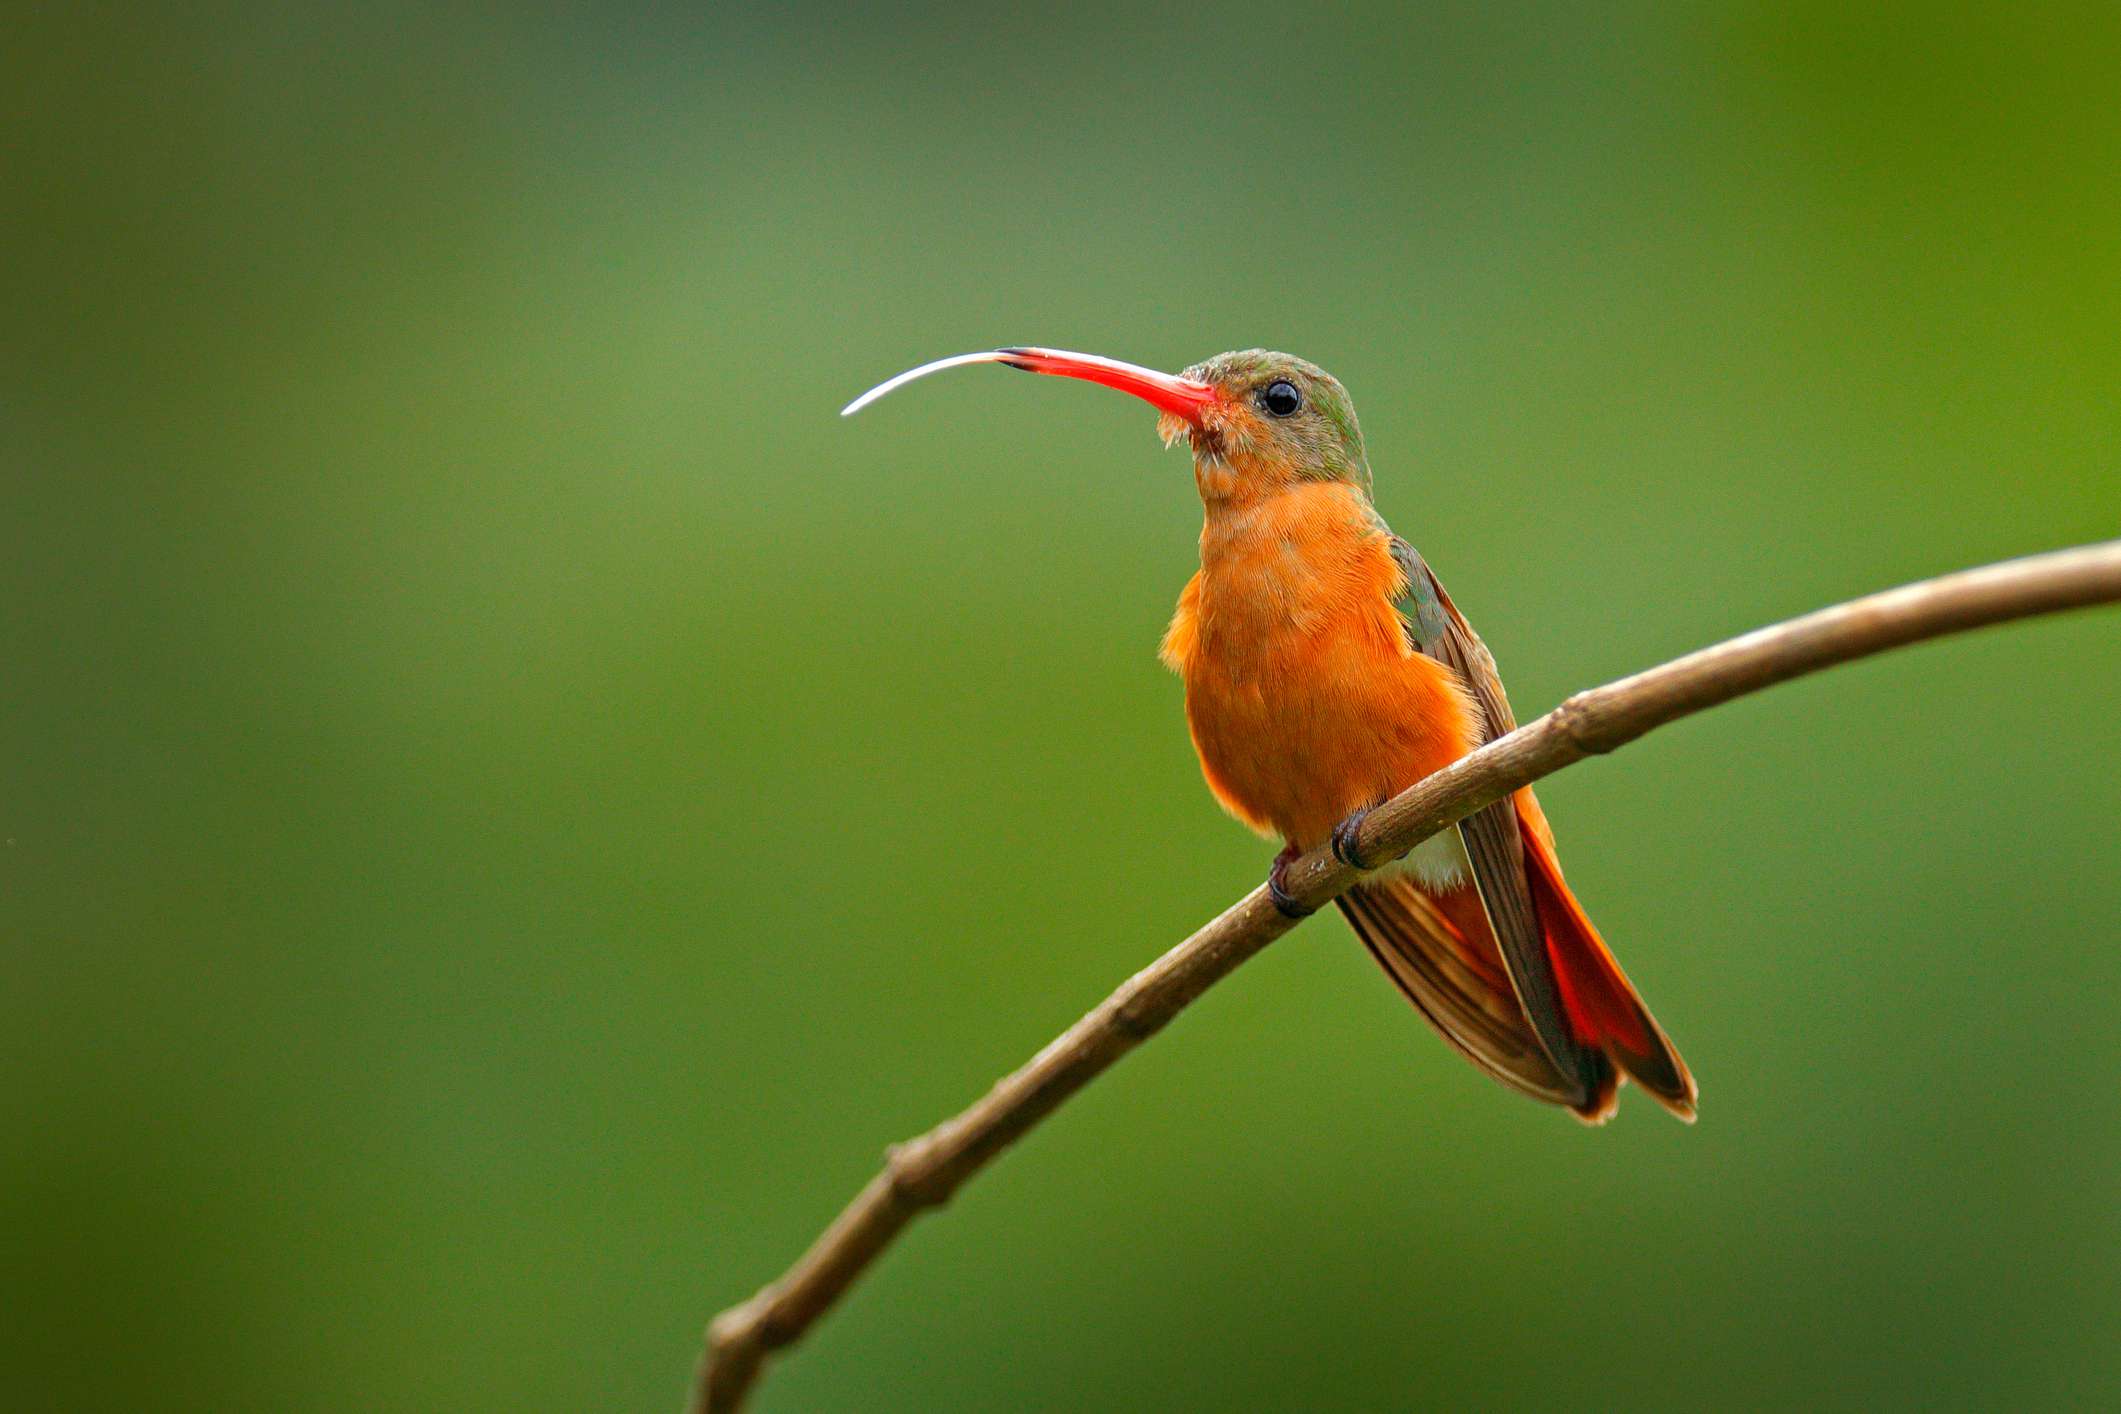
1326,670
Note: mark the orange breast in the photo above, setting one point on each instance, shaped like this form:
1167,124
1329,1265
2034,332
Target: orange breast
1304,700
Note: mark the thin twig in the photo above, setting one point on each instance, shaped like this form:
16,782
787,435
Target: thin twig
924,1172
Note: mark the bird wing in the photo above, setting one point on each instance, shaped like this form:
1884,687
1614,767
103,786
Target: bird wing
1435,948
1492,838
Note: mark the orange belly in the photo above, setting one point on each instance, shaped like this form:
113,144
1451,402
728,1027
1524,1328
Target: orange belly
1304,698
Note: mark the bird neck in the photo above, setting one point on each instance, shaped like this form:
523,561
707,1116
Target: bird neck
1289,526
1277,574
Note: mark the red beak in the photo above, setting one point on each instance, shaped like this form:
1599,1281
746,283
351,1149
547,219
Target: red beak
1181,397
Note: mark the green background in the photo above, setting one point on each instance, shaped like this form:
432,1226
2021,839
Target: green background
509,803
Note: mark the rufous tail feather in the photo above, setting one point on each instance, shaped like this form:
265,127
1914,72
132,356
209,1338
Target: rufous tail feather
1602,1008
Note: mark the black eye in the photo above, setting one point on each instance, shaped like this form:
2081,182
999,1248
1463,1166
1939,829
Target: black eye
1280,398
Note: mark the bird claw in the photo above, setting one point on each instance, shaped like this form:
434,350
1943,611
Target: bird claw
1346,837
1284,902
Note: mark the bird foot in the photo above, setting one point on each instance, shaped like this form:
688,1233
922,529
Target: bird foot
1284,902
1345,839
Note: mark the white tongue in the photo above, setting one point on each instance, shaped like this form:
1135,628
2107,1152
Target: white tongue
891,384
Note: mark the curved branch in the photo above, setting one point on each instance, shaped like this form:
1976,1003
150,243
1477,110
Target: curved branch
922,1173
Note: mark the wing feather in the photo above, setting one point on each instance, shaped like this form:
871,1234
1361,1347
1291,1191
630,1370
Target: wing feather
1491,838
1429,960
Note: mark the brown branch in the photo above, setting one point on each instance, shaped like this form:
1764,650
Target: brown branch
924,1172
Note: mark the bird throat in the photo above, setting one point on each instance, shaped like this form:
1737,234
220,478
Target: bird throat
1280,560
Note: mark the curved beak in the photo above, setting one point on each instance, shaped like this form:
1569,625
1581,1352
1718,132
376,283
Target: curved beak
1181,397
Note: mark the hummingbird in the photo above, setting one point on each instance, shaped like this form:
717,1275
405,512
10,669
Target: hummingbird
1326,670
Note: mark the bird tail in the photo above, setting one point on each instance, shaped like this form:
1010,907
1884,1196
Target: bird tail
1603,1009
1439,949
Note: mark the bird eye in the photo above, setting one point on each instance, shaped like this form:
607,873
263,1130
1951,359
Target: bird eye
1280,398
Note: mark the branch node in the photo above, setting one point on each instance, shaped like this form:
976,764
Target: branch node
1581,721
1126,1022
730,1330
914,1182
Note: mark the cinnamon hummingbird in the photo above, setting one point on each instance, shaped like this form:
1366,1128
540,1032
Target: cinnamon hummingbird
1325,671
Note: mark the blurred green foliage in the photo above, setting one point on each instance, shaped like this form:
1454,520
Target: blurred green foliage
509,803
